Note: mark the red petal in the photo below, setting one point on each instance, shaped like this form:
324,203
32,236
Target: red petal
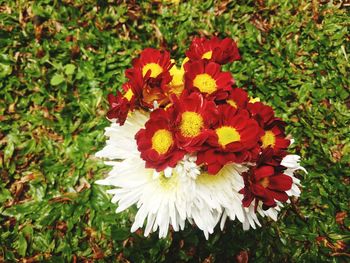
280,182
262,172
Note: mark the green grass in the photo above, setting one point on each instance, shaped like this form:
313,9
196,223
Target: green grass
59,60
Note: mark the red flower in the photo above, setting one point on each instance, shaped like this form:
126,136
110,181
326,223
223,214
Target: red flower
215,49
207,78
237,98
275,138
120,105
150,77
262,113
192,117
157,142
145,92
153,63
265,183
234,138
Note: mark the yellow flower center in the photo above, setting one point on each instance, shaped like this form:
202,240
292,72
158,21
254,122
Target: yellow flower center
177,82
221,177
269,139
226,135
162,140
191,124
207,55
169,183
205,83
264,182
232,103
253,100
155,69
208,179
128,95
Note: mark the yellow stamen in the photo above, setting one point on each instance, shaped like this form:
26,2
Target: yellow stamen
264,182
210,179
191,124
162,140
232,103
226,135
253,100
177,82
168,105
169,183
128,95
269,139
155,69
207,55
205,83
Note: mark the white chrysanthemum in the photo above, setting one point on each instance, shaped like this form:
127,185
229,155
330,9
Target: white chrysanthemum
161,201
216,196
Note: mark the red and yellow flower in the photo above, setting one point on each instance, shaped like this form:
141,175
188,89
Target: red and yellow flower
156,142
208,79
193,116
120,104
265,183
217,50
150,77
233,138
153,63
237,98
262,113
275,138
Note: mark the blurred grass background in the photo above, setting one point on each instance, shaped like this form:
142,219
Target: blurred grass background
59,60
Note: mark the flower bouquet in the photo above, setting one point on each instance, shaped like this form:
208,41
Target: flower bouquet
186,144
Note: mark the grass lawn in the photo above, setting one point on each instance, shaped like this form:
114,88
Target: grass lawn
60,59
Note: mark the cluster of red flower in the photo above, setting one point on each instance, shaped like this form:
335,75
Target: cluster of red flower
197,110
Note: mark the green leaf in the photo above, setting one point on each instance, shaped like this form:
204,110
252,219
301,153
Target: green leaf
9,149
57,79
22,245
120,234
5,70
69,69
